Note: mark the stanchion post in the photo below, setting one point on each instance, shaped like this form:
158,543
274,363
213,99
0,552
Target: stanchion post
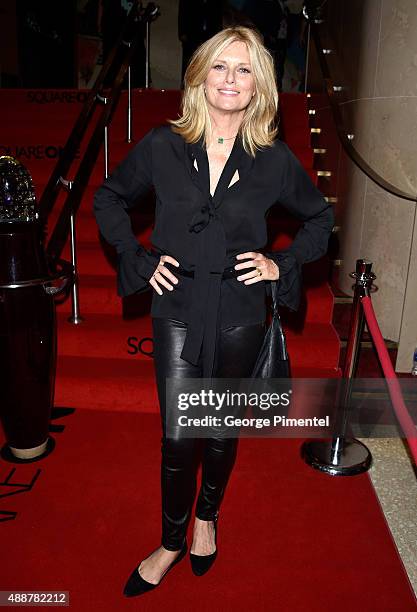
105,100
106,151
151,13
148,51
129,99
344,456
75,317
306,16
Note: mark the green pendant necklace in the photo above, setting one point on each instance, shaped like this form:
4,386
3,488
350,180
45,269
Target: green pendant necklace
221,140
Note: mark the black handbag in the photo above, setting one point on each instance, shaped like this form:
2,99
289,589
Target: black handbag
272,363
273,360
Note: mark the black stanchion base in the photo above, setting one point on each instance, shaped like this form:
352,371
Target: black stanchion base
355,457
7,455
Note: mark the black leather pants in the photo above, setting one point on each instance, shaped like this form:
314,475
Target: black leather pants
236,355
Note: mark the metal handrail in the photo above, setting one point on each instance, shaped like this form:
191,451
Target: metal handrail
342,133
65,160
62,227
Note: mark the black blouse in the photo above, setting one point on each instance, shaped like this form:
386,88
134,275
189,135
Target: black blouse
204,234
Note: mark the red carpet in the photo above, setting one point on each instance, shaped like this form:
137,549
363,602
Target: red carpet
290,538
37,128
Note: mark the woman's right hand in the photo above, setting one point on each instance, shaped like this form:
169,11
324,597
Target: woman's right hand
161,274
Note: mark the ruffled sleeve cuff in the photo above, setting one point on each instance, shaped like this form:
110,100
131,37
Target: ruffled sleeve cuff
134,269
289,284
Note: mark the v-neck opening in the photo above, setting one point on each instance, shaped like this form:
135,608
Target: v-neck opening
230,185
225,169
226,175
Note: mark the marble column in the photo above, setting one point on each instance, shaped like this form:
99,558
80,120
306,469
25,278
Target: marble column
376,61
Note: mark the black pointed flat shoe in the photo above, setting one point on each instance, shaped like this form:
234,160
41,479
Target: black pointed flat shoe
200,564
136,585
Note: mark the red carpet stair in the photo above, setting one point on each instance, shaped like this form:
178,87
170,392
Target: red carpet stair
82,527
98,366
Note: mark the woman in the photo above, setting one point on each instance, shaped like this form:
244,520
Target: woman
216,171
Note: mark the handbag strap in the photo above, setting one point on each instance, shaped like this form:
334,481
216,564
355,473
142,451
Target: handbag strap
274,290
275,315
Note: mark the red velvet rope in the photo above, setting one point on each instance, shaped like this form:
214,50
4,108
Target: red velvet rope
394,388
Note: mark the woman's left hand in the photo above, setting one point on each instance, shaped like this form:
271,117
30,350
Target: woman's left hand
265,268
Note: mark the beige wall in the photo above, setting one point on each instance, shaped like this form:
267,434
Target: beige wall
376,44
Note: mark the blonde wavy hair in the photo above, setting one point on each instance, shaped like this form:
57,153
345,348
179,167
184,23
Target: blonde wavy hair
260,122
